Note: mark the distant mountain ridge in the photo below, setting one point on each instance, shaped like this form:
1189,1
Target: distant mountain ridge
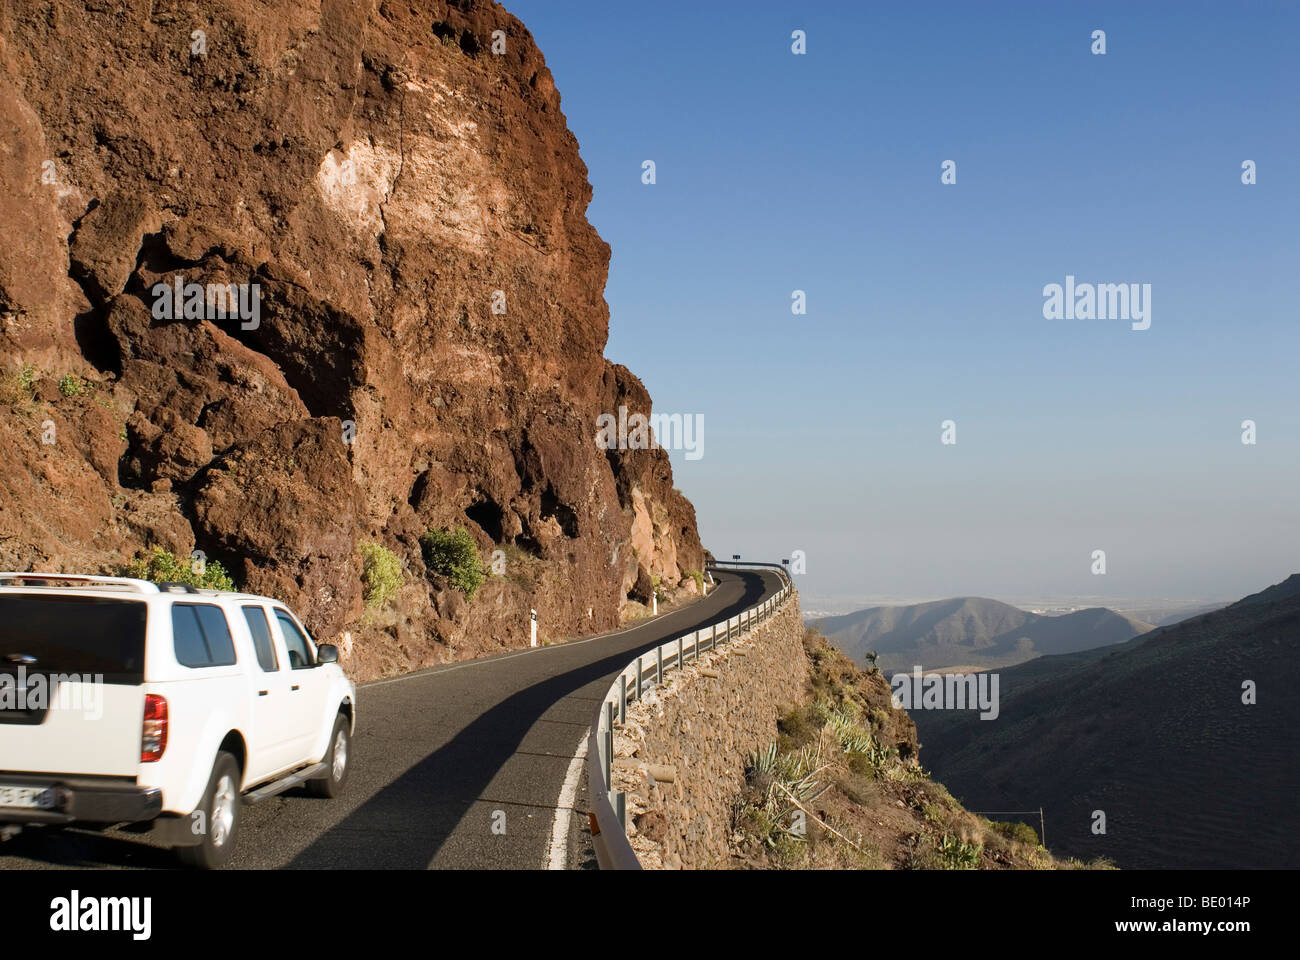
972,631
1156,733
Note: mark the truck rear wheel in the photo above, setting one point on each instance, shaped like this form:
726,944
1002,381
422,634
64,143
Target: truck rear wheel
220,809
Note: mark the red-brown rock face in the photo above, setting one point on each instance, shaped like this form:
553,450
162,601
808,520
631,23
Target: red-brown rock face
427,348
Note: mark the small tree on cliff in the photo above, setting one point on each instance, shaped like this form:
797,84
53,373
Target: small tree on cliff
454,554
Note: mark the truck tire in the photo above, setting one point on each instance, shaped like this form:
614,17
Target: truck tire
338,761
220,806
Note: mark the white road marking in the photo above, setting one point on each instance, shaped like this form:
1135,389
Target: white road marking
558,858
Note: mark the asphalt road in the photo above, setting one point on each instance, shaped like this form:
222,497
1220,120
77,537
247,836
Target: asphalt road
456,767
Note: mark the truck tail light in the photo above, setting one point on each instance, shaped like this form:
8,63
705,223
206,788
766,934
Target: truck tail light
153,735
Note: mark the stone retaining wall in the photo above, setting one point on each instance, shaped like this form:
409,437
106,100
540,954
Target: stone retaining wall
695,734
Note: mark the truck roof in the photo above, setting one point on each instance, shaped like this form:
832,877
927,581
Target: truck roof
112,585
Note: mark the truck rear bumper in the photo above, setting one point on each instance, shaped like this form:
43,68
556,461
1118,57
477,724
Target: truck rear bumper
84,800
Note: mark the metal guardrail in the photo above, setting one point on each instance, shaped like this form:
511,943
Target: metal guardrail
609,808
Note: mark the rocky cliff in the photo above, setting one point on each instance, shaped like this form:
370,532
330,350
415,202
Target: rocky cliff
392,189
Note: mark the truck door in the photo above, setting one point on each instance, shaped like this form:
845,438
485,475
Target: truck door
275,731
308,686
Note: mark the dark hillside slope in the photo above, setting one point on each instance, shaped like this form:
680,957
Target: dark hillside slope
1154,733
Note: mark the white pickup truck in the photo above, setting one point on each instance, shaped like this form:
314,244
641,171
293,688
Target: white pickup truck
161,706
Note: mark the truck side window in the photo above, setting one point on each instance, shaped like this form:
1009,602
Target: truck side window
201,636
187,638
261,631
300,654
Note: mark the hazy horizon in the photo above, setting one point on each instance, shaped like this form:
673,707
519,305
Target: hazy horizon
1149,609
821,172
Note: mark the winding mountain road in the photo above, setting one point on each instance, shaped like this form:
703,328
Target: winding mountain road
462,766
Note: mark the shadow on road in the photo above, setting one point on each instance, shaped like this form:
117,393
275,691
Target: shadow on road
405,824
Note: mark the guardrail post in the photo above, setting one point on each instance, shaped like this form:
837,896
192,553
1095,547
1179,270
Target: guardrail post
680,662
620,809
638,677
622,698
713,637
659,664
609,743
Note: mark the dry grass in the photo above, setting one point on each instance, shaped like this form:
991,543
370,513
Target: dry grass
841,788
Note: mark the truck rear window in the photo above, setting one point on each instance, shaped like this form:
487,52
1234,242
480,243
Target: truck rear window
73,635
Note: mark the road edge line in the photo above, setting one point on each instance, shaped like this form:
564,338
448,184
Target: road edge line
557,857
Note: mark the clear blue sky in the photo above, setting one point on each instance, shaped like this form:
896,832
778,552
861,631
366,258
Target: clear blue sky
821,172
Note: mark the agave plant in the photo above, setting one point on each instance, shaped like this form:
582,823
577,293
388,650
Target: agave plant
958,854
764,761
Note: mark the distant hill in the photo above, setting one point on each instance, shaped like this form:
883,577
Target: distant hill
1154,733
971,631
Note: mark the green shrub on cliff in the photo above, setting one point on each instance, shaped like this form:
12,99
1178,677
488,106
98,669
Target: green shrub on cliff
381,572
1020,832
71,386
16,388
163,566
453,554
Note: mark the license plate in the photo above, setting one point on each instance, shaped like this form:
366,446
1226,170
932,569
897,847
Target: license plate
28,798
